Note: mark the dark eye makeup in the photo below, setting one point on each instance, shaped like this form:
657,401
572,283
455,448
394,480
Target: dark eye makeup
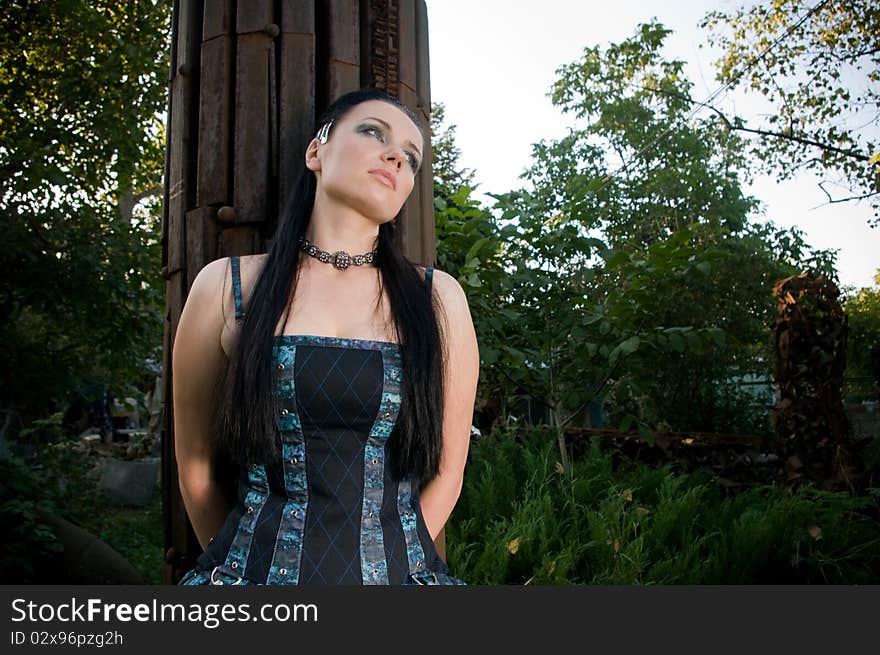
379,133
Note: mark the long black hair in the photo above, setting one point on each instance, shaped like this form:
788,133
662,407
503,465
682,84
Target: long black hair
247,414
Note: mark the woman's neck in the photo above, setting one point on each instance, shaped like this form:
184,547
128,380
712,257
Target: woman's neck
335,227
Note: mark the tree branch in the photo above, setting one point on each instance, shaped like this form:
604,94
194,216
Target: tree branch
833,201
129,201
737,125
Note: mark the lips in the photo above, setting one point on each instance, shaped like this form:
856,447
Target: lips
385,176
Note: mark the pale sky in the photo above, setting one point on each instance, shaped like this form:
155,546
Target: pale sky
493,62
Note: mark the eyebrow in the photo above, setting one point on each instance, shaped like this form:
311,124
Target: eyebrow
389,128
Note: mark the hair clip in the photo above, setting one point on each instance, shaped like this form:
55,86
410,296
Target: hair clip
324,132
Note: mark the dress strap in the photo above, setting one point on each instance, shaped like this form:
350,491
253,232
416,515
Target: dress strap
429,275
236,287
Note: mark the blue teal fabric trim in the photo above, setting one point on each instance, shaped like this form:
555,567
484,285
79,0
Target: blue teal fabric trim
236,287
287,557
414,552
434,578
374,565
254,501
338,342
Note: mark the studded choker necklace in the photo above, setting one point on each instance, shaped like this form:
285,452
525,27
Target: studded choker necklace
340,259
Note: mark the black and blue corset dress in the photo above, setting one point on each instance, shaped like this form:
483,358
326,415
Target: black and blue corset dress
328,512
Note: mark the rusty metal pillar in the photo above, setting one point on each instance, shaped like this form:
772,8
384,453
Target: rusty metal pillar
248,78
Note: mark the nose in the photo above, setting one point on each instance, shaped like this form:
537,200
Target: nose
395,156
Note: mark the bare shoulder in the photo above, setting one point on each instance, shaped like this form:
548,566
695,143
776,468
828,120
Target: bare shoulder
459,338
452,297
446,285
249,270
209,280
201,321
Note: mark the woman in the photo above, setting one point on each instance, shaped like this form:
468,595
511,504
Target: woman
342,384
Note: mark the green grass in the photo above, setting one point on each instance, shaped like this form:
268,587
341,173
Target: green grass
520,521
135,533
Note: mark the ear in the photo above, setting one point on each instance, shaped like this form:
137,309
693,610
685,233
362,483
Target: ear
313,159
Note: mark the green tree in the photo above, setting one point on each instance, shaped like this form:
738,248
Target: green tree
862,308
449,176
818,63
632,270
82,88
470,248
632,172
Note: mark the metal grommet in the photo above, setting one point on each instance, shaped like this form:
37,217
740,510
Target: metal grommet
418,564
282,571
284,412
375,571
220,582
250,510
406,513
235,565
386,415
371,515
280,367
375,461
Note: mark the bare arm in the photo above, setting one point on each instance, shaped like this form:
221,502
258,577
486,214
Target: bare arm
197,364
439,496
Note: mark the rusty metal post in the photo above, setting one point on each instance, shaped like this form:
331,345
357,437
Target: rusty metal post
248,78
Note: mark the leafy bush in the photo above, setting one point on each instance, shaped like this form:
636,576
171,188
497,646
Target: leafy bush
27,540
862,309
519,520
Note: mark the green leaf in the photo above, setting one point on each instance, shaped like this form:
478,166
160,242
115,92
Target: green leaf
630,345
474,249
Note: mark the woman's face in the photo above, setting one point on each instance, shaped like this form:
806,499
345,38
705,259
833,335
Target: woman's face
370,160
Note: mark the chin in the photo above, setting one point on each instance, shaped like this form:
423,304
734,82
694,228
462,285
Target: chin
380,214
